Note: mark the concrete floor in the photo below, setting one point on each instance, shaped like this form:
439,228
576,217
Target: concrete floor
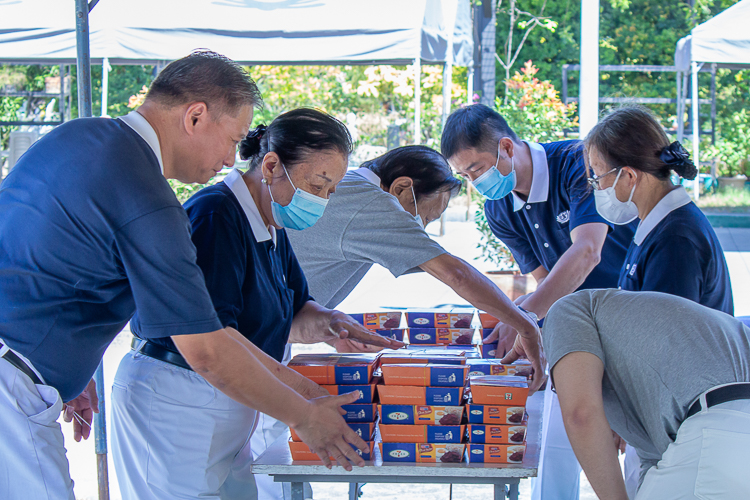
379,288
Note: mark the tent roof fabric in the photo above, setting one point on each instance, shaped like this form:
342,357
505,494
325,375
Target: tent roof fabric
247,31
723,39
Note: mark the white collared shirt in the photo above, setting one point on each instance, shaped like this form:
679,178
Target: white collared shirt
142,127
539,190
236,183
369,175
675,199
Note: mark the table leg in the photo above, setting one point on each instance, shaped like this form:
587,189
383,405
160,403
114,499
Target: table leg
500,491
353,491
513,491
298,491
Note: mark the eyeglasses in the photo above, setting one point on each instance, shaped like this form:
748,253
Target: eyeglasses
594,180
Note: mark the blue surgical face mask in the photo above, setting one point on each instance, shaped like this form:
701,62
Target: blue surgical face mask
494,185
302,212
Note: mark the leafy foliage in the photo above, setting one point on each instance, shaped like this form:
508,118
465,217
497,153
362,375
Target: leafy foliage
732,150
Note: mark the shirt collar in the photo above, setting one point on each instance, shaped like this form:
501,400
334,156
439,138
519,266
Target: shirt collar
675,199
142,127
539,178
369,175
236,183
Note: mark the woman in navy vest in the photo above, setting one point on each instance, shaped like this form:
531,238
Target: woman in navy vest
675,250
257,287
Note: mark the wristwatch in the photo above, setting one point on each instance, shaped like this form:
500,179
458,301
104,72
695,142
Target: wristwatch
532,315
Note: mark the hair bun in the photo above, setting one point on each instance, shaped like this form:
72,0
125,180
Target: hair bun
250,145
676,157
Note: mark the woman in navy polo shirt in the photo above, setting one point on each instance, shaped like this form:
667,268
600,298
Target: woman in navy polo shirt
675,250
257,288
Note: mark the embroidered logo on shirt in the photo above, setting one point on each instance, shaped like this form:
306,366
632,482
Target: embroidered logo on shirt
632,270
563,217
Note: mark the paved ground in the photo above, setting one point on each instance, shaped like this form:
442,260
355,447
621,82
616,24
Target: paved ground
380,288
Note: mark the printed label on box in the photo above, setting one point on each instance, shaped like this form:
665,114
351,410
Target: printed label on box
359,413
493,414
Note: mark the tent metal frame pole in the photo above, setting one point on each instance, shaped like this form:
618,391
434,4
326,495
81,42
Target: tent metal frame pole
695,106
680,109
588,102
83,67
106,68
448,66
417,100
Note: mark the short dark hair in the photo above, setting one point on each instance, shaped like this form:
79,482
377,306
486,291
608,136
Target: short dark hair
295,134
631,136
476,126
207,77
427,168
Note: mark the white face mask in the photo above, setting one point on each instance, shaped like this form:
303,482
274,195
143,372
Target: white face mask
416,210
612,209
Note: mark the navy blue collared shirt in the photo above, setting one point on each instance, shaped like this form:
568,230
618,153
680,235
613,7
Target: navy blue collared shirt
537,231
256,286
90,230
676,251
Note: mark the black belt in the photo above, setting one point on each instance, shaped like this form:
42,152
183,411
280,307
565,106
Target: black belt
14,360
721,395
158,352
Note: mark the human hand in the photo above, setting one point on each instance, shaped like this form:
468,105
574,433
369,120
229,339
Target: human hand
529,345
344,326
505,336
349,345
81,411
326,433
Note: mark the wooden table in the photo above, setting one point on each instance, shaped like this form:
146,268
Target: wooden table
277,462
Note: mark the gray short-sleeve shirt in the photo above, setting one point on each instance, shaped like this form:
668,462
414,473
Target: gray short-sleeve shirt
660,352
362,225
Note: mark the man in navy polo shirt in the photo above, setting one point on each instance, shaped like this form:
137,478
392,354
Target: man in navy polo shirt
540,206
89,230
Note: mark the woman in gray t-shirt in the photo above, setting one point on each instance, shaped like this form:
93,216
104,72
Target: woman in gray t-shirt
620,359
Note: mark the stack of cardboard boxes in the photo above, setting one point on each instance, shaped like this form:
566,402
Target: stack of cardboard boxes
341,374
497,415
421,406
413,401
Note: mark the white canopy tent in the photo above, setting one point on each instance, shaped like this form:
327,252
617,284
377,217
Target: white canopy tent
723,40
328,32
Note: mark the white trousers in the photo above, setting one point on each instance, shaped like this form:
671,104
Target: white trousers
709,459
269,430
632,471
559,474
175,436
33,464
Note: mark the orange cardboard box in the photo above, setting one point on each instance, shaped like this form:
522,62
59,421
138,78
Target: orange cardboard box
417,414
366,392
479,367
365,430
496,453
425,375
415,395
422,452
497,434
439,318
379,320
499,390
422,433
494,414
423,355
336,369
487,320
300,451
